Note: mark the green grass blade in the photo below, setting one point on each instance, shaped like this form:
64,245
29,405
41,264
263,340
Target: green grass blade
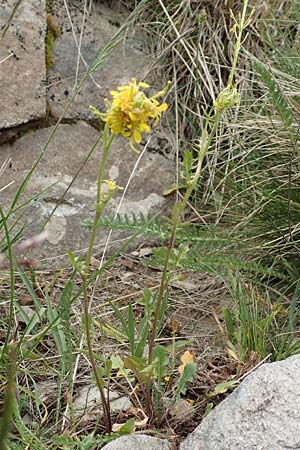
11,287
142,337
131,329
120,318
278,100
27,283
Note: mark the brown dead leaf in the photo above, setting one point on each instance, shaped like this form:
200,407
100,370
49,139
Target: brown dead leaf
25,300
128,263
186,358
137,423
146,251
185,285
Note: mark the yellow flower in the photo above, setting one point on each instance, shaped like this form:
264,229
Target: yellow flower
131,112
111,185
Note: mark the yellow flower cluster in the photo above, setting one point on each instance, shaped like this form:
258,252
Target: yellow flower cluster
131,111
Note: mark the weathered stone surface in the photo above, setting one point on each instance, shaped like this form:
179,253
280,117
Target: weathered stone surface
263,413
126,60
88,404
22,62
59,165
181,411
138,442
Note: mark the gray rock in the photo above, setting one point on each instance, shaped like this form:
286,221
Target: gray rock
138,442
59,165
263,413
126,60
23,73
88,404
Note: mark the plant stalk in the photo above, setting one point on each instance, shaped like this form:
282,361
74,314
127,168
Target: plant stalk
104,400
9,401
241,26
177,213
100,206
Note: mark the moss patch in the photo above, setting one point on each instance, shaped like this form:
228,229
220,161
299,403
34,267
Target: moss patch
52,34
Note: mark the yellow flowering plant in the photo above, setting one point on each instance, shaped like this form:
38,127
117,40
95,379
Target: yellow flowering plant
131,113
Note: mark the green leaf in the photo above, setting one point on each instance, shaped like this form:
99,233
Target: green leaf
131,329
63,440
101,372
118,364
140,367
162,311
187,375
294,300
38,305
228,317
142,338
178,345
120,317
173,188
208,408
161,360
222,388
278,100
128,427
146,300
187,162
74,261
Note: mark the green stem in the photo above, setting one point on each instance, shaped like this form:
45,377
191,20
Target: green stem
213,119
162,287
9,401
238,44
176,220
104,400
100,206
12,285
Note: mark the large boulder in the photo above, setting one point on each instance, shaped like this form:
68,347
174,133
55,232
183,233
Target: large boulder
138,442
63,160
22,78
77,46
22,59
263,413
